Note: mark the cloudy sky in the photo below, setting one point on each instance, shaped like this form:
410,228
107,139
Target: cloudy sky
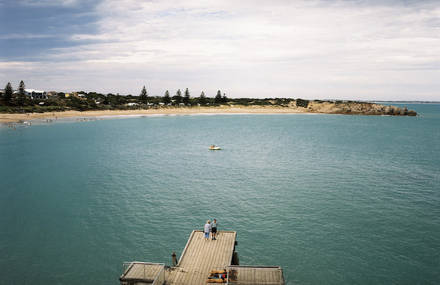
371,50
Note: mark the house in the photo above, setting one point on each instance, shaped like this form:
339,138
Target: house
51,94
35,94
73,94
132,104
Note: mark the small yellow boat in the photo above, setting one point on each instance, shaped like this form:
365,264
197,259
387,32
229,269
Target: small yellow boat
214,147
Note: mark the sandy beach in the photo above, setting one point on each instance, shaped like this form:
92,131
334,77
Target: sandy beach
11,118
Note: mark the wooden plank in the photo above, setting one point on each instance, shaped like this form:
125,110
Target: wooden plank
186,246
200,256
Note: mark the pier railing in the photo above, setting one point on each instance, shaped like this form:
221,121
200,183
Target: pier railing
143,272
160,278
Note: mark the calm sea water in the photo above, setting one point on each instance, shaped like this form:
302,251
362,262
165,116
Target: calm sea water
332,199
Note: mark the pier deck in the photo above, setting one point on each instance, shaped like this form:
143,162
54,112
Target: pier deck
200,256
198,259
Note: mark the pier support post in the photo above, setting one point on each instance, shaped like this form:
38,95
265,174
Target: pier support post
235,260
174,258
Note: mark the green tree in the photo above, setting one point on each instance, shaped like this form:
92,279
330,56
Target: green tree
91,103
202,98
143,97
224,98
112,100
302,103
21,88
186,98
218,97
20,99
8,93
166,97
178,97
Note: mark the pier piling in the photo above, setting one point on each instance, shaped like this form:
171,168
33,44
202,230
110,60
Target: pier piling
174,258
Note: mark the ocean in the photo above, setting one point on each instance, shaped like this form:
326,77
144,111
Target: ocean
333,199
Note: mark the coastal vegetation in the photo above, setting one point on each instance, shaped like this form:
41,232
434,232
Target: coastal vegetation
23,101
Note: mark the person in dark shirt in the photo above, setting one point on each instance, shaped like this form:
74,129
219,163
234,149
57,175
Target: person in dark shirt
214,229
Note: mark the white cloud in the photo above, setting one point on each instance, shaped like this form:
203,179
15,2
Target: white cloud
315,49
48,2
18,36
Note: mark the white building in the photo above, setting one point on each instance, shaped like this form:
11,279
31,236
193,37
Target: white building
35,94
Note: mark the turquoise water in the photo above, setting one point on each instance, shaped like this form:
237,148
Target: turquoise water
332,199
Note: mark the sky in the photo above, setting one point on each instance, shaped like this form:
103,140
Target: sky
314,49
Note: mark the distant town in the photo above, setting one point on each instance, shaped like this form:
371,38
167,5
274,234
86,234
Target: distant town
25,99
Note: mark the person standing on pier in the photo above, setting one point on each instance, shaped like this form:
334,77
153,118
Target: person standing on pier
214,229
207,229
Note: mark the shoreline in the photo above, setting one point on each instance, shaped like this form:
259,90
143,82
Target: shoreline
6,118
314,108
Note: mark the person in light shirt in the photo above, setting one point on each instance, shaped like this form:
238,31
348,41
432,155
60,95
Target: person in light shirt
207,229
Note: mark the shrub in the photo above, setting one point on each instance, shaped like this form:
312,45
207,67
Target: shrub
302,103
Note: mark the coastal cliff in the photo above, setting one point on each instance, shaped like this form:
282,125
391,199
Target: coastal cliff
349,108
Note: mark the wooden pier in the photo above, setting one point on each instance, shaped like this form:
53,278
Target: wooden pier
198,259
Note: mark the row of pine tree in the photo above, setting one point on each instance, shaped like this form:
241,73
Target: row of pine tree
19,99
185,99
